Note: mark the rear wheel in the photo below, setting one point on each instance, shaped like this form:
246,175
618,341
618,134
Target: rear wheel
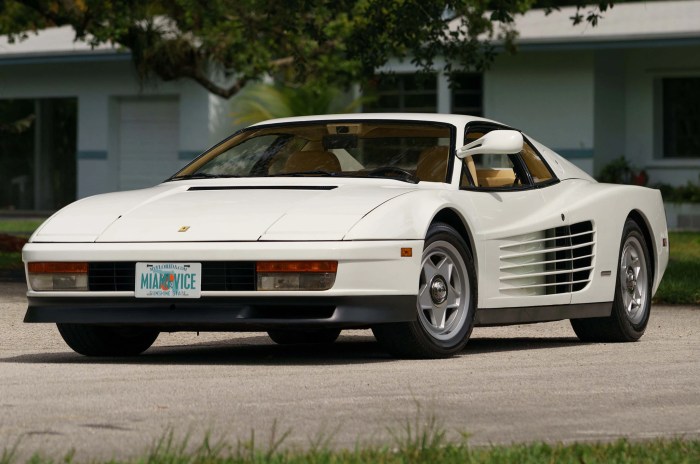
632,303
297,336
445,304
92,340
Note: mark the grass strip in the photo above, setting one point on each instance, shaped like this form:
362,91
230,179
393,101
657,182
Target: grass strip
681,284
20,227
425,449
11,261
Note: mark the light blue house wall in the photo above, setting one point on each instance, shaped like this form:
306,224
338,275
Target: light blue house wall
591,94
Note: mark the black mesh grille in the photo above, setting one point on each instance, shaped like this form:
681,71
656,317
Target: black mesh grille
111,277
582,255
228,276
574,257
216,276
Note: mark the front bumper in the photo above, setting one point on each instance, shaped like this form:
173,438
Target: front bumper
374,284
227,313
365,268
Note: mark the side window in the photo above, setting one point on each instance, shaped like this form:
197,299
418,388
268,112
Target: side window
538,170
490,171
502,171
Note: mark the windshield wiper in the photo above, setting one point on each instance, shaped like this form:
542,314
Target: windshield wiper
203,175
394,173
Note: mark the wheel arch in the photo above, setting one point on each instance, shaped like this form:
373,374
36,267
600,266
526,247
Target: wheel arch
452,218
641,220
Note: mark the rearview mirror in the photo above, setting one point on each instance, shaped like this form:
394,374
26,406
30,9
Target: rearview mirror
496,142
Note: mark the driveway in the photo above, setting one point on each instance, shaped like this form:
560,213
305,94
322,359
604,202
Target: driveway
511,384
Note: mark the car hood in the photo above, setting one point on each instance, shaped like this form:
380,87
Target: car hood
206,212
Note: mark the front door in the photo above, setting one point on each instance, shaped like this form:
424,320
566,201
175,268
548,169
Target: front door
521,237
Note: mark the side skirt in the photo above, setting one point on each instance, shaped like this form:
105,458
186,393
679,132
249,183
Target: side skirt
527,314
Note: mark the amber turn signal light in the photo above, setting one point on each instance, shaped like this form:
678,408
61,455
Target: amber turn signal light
295,275
297,266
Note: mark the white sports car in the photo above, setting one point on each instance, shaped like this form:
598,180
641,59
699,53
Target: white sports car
419,226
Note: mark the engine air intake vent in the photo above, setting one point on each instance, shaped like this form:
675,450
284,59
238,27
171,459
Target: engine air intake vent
551,261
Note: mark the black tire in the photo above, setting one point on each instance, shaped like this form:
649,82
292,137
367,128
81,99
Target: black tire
90,340
622,325
299,336
422,338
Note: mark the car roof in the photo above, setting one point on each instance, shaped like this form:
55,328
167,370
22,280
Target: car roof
454,119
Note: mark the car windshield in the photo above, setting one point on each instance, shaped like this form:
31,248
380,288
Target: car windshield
409,151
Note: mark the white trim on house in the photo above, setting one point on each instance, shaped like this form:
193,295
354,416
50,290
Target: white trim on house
52,41
625,21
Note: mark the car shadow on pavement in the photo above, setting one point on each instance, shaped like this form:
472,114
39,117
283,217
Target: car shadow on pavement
493,345
261,351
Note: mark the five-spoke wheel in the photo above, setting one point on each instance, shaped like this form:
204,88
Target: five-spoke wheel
443,292
445,303
632,303
634,282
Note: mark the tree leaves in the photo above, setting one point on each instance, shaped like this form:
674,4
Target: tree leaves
223,44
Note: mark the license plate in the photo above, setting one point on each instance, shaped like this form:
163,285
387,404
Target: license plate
168,280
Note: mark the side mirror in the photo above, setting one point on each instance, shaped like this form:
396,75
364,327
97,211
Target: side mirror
496,142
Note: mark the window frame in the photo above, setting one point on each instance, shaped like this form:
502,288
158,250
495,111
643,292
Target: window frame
519,165
226,143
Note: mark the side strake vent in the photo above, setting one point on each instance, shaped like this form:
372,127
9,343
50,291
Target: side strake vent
558,260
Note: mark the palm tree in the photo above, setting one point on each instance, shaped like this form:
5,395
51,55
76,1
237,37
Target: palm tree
261,101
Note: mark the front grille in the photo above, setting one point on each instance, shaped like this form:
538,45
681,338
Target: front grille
111,276
120,276
232,276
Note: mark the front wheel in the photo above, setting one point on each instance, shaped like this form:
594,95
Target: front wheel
445,303
632,303
90,340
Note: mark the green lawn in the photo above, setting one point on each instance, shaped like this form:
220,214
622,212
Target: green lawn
421,449
681,283
10,261
21,227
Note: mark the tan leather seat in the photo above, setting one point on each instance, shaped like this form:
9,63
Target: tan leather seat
432,164
312,160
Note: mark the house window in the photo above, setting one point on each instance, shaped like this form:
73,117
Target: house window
467,92
38,153
400,93
681,117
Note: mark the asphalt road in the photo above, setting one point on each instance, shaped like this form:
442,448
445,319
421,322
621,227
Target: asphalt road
511,384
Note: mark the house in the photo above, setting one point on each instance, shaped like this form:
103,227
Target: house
97,128
628,87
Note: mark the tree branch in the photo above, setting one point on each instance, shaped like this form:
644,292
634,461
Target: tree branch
223,92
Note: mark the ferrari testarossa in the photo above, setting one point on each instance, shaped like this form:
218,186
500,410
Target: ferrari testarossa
418,226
